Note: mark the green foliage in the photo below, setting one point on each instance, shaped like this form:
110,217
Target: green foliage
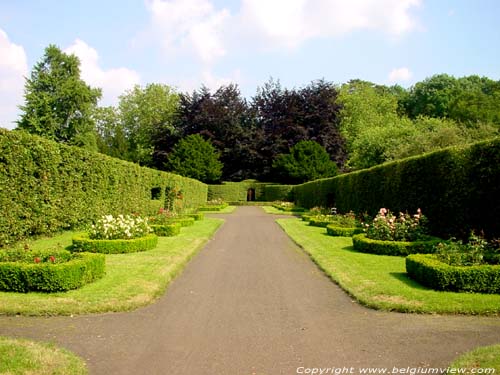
26,255
146,113
58,103
307,161
458,187
46,187
399,248
182,221
237,191
166,230
111,135
197,216
278,193
387,227
341,231
82,242
428,270
196,158
46,277
321,220
456,253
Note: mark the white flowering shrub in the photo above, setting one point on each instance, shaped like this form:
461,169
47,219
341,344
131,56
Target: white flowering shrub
120,227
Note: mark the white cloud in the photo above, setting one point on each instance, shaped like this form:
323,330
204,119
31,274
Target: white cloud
400,74
192,26
113,82
13,69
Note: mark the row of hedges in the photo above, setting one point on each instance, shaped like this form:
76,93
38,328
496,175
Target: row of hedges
429,271
82,243
46,187
457,188
237,191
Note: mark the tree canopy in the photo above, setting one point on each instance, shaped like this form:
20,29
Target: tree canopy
58,103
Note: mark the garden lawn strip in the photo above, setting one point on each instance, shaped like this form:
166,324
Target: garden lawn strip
380,281
252,302
131,280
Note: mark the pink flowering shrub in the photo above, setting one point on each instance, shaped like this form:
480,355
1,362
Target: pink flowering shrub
388,227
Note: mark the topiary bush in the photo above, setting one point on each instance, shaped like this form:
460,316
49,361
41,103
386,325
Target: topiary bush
428,270
48,276
166,230
399,248
338,231
82,242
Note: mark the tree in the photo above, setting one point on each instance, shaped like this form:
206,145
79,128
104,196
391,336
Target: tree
306,161
196,158
147,117
111,139
58,103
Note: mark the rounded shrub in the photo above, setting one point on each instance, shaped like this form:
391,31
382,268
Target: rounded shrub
25,277
428,270
399,248
338,231
82,242
166,230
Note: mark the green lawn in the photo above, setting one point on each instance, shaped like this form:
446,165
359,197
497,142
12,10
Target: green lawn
274,210
131,280
487,357
28,357
379,281
226,210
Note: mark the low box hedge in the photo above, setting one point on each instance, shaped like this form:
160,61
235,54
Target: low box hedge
315,222
24,277
166,230
218,207
337,231
428,270
307,217
183,221
197,216
399,248
82,242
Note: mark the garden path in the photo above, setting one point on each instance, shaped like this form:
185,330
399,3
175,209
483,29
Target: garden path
252,302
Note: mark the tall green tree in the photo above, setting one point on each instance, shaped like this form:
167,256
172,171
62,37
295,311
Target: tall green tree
111,138
58,103
197,158
307,161
147,116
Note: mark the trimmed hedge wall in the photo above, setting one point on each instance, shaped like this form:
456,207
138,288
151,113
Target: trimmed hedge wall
46,187
429,271
336,231
23,277
82,242
237,191
398,248
457,188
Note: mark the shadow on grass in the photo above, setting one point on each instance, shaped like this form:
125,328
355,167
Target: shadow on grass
403,277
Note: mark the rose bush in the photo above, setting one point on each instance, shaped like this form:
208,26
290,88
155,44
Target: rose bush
120,227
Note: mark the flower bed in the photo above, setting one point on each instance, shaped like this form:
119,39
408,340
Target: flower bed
400,248
428,270
59,272
339,231
166,230
82,242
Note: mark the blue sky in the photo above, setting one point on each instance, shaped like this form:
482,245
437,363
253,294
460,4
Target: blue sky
187,43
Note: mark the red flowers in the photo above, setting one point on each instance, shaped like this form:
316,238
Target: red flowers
52,259
37,260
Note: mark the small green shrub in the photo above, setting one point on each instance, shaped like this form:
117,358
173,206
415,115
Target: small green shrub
166,230
212,207
197,216
428,270
456,253
46,277
321,220
82,242
182,221
399,248
340,231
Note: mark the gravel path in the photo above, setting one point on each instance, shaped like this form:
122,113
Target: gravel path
252,302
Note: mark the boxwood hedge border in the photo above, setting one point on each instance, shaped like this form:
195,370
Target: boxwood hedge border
82,243
166,230
398,248
429,271
22,277
336,231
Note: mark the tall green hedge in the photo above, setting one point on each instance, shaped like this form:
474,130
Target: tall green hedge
457,188
47,186
237,191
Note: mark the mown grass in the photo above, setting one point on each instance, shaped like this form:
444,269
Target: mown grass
275,211
487,357
28,357
379,281
226,210
131,280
